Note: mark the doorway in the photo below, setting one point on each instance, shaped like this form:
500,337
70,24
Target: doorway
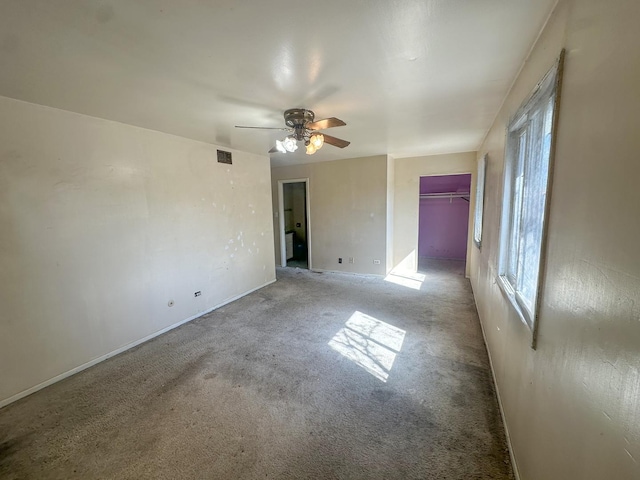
294,223
443,220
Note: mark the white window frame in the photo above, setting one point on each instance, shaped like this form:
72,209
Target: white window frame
479,207
525,140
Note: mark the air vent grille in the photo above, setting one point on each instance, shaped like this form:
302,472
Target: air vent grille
224,157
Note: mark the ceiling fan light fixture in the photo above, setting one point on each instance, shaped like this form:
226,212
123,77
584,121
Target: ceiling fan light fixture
280,146
317,140
311,148
302,127
290,144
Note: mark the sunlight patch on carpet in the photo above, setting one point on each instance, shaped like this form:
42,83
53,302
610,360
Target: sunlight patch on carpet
409,280
370,343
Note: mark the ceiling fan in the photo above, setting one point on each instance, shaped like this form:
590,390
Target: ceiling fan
302,128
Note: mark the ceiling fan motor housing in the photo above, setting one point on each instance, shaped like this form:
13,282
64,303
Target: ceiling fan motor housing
297,118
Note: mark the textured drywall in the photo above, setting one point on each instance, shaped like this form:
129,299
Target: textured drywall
348,218
444,226
406,76
367,208
445,184
103,224
406,201
572,406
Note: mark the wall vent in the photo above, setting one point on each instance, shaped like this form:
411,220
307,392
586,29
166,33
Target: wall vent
224,157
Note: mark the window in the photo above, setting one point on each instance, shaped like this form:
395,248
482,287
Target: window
526,183
477,216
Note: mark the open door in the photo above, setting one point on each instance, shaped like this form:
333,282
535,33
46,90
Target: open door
295,242
443,219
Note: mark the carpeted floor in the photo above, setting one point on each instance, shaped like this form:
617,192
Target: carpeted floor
297,264
317,376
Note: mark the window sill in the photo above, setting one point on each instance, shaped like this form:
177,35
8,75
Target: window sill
510,295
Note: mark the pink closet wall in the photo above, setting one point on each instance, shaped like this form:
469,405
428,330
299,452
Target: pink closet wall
444,222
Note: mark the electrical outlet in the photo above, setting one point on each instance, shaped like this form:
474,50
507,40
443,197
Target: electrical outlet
350,259
340,260
376,262
197,294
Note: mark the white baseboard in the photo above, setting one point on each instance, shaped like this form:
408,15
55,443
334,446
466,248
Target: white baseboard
135,343
514,464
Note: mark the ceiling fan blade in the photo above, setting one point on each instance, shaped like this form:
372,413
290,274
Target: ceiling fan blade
336,142
265,128
325,123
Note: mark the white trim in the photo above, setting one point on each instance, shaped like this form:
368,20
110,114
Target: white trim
91,363
283,245
512,457
545,92
478,208
509,293
308,228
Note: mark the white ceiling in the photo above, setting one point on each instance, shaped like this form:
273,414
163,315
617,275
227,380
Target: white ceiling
408,77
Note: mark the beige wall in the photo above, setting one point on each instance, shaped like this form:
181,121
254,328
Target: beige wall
573,406
367,208
348,218
407,201
102,224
